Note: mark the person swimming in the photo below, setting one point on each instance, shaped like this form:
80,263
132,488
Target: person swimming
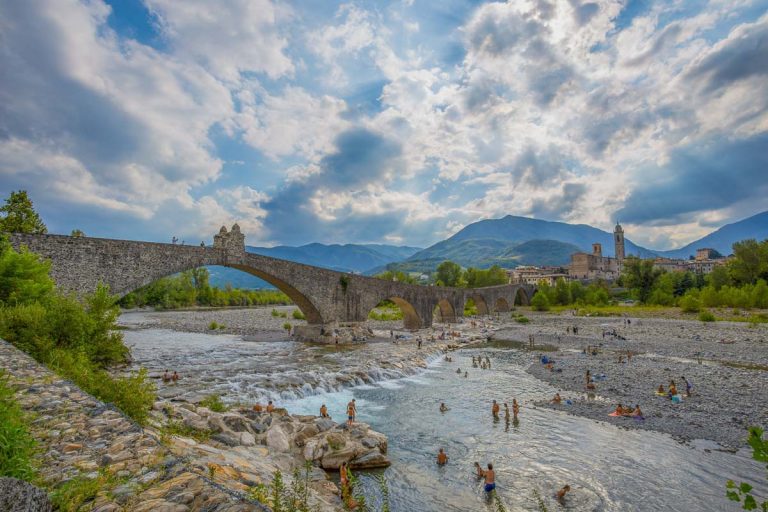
442,458
490,479
495,409
443,407
466,374
166,377
458,370
175,376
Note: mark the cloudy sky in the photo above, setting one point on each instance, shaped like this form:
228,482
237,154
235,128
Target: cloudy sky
396,122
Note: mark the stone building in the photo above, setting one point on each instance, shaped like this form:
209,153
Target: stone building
526,274
591,267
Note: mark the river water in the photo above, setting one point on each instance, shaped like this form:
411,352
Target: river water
608,468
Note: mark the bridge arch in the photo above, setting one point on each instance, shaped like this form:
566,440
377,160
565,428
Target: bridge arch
480,304
411,319
501,305
446,311
306,306
521,298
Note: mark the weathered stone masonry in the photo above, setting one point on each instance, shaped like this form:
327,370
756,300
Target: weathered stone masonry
79,264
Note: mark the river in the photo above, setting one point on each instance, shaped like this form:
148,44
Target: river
608,468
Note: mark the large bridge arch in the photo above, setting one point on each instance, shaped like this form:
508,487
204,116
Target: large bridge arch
446,311
480,303
522,298
501,305
411,318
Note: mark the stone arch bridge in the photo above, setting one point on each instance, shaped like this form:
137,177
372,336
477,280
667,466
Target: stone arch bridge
326,297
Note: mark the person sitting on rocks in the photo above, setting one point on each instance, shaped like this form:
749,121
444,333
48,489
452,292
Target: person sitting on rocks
557,399
166,376
561,493
324,411
270,406
443,407
619,410
258,407
442,458
672,388
479,471
637,413
661,391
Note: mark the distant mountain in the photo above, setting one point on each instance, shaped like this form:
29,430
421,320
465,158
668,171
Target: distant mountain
723,239
344,258
513,241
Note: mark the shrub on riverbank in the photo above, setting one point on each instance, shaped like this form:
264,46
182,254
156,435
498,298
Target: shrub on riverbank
17,447
77,340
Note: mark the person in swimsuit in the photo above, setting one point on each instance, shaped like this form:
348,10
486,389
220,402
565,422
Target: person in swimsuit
515,408
506,411
258,408
561,493
175,376
688,387
479,471
661,390
637,412
495,410
442,458
166,377
490,479
351,412
557,399
270,406
443,407
619,410
323,411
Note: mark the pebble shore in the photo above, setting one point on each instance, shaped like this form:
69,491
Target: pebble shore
730,380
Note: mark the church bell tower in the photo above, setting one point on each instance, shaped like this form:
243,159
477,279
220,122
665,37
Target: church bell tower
618,238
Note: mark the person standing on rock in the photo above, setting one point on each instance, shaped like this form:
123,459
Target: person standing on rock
351,412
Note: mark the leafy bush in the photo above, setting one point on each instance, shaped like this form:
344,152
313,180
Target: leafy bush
521,319
177,428
706,316
690,304
743,492
298,315
17,447
540,302
214,403
216,325
287,326
279,314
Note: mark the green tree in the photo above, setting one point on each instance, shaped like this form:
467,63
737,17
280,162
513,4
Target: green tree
640,276
719,277
397,275
23,275
20,216
562,292
449,274
77,233
750,261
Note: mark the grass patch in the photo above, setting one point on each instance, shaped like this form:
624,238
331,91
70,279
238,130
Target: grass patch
298,315
17,447
213,326
177,428
214,403
71,495
279,314
521,319
707,316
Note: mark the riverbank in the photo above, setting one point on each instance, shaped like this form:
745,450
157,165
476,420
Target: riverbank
725,362
188,458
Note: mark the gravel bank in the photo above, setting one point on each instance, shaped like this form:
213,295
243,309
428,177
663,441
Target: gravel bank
726,399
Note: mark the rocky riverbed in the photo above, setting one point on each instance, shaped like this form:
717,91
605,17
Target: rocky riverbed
725,363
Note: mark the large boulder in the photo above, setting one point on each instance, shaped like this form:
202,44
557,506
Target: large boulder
277,439
236,422
372,459
19,496
324,424
305,433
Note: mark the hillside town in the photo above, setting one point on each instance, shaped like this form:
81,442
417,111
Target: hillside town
594,266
